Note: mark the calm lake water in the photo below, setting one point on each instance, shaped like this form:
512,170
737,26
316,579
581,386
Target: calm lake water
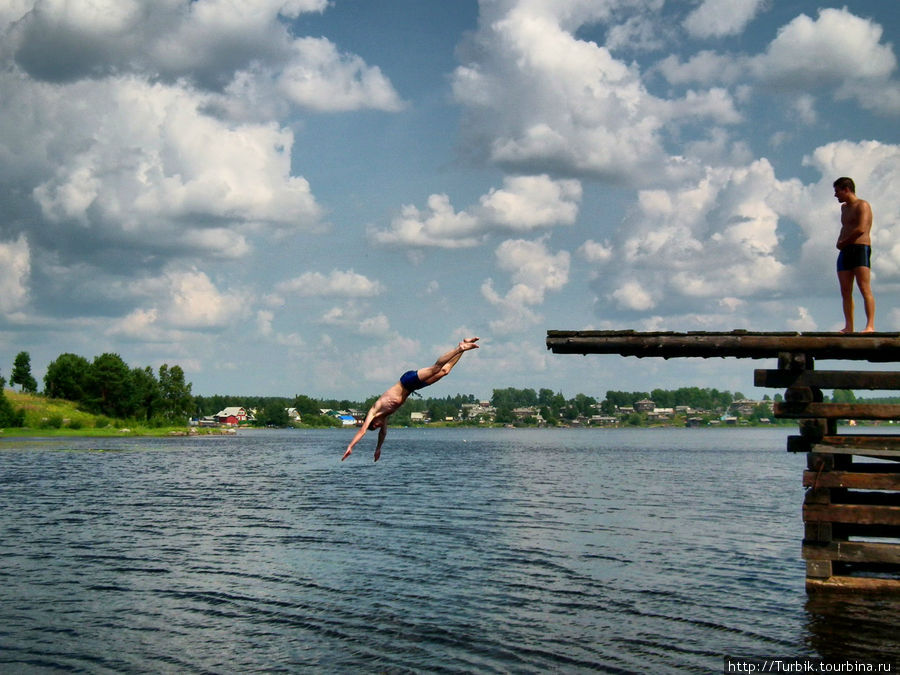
507,551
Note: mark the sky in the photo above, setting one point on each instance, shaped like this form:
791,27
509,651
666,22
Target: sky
312,196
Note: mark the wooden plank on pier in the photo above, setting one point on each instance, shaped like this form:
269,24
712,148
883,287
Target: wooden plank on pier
856,514
827,379
853,551
853,584
873,445
836,411
739,344
851,479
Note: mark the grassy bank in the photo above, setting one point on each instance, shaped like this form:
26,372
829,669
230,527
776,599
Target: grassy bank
57,417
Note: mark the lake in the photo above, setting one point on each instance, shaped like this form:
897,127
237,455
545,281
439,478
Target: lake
462,550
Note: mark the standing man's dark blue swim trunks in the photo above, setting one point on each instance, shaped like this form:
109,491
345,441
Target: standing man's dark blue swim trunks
853,256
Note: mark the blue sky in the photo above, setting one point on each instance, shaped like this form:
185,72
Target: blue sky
304,196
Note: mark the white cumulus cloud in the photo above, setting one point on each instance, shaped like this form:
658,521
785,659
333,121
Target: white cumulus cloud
523,204
342,283
15,268
439,225
534,270
537,95
720,18
528,202
716,238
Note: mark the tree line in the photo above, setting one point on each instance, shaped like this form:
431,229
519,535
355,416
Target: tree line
108,386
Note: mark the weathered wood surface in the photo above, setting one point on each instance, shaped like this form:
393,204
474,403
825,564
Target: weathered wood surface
842,411
827,379
873,445
739,344
853,584
853,551
851,479
858,514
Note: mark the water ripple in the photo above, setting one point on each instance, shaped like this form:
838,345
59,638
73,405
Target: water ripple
461,551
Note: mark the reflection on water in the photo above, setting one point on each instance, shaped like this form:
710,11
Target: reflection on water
860,627
460,551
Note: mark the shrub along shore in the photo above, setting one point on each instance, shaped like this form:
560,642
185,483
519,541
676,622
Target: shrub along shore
57,417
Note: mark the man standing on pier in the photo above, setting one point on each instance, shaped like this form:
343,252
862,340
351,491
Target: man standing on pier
855,246
391,400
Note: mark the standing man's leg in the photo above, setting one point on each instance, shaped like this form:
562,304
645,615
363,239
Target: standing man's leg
864,281
845,278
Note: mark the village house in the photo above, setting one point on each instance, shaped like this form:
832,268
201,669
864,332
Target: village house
746,407
345,417
660,414
645,405
483,410
604,420
529,412
232,416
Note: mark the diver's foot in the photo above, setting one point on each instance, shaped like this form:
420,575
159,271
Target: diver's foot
468,343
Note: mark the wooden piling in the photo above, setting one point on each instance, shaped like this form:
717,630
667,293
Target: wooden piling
851,509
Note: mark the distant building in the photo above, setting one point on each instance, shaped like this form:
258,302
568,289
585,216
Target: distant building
604,420
525,413
660,414
231,416
483,410
644,405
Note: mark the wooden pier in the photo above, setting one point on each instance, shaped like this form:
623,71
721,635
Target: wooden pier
851,511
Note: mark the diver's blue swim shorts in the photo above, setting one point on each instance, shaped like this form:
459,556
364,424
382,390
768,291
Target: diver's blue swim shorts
410,380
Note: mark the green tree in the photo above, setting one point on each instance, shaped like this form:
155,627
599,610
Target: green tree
21,373
273,414
306,406
146,393
514,398
504,415
109,387
545,397
8,416
761,411
843,396
619,399
664,398
175,393
549,416
66,377
585,405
